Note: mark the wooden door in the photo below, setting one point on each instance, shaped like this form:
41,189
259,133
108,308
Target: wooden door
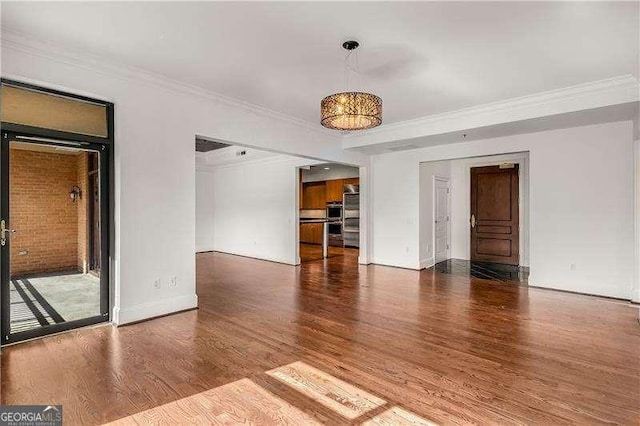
494,214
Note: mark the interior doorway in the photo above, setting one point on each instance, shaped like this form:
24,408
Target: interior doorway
329,212
488,211
442,216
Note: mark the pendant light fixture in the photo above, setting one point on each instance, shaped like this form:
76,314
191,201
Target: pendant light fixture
351,110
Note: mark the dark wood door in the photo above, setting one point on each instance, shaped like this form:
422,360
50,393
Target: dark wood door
494,214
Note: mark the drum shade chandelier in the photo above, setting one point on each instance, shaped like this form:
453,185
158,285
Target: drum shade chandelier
351,110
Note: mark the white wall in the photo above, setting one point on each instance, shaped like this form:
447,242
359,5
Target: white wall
581,205
428,172
156,121
255,208
204,210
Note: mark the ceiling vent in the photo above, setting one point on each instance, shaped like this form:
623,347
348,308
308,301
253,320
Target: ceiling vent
203,145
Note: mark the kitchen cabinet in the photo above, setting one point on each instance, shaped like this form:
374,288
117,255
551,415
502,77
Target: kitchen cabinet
334,190
314,195
311,233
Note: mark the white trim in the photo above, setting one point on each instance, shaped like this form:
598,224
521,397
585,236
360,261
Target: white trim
276,159
205,249
394,264
635,291
13,39
601,93
259,257
364,253
427,263
612,91
296,213
150,310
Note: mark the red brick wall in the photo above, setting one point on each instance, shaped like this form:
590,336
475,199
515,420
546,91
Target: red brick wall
42,213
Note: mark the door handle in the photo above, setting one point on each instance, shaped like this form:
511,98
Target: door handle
3,232
473,221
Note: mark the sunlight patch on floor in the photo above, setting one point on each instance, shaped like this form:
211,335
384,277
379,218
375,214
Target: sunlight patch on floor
245,402
239,402
341,397
397,416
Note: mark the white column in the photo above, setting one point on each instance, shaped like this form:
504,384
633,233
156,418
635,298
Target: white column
364,257
635,293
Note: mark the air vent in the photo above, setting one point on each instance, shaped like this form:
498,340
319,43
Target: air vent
203,145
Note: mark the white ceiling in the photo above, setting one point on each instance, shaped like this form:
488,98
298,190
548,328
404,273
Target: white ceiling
421,58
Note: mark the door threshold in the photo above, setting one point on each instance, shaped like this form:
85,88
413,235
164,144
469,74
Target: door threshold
57,333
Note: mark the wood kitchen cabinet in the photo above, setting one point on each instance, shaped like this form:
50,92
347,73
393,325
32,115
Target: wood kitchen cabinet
311,233
334,190
314,195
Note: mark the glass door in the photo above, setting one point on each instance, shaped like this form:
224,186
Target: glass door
53,235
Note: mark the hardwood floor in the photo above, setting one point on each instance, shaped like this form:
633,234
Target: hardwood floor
312,252
337,343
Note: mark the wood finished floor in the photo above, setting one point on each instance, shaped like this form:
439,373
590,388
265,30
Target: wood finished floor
434,347
313,252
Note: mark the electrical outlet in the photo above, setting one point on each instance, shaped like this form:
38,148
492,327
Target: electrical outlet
173,282
572,267
157,284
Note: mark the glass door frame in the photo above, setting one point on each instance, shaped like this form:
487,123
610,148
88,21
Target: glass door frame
104,147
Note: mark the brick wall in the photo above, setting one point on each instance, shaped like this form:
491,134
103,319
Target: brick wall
41,211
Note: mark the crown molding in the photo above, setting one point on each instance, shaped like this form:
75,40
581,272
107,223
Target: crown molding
611,91
16,40
625,88
283,159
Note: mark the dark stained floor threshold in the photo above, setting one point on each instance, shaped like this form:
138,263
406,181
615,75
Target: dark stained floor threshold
483,270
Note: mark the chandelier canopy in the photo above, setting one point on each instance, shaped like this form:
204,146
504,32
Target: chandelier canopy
351,110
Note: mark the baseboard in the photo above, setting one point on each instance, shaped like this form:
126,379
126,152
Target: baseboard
427,263
413,267
253,256
154,309
204,250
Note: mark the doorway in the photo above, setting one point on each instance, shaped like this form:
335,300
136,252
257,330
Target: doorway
442,217
329,212
54,204
495,230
